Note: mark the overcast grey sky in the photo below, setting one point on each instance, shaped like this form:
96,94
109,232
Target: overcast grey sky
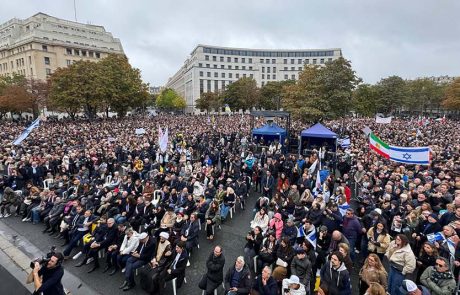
409,38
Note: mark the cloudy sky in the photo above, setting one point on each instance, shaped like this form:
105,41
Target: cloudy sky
409,38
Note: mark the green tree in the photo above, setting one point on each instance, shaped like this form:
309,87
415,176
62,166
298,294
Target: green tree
169,100
338,80
364,100
241,94
121,85
452,96
77,87
305,99
424,95
271,94
392,94
208,101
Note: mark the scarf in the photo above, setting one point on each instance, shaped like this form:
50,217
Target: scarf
437,276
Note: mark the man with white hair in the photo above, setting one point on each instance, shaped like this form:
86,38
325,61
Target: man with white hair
238,278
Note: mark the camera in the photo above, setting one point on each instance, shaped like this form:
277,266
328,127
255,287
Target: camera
44,259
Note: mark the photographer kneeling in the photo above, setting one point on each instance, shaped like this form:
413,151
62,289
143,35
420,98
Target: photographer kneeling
47,276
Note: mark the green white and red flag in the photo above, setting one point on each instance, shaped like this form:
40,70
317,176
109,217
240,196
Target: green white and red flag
379,146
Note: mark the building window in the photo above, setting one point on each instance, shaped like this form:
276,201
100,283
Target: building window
268,77
263,76
77,52
263,83
329,59
216,75
292,68
243,60
214,58
215,66
206,57
274,77
244,75
263,69
237,75
321,61
91,54
300,68
98,55
274,69
229,67
293,77
200,65
307,61
201,86
261,60
243,67
83,52
69,62
208,88
221,59
47,60
30,60
229,59
268,69
208,65
222,85
299,61
251,75
250,60
273,61
230,75
285,68
216,85
235,59
314,61
208,74
44,47
222,67
237,67
250,68
201,74
292,61
48,71
223,75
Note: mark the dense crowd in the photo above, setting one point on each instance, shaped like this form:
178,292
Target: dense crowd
106,191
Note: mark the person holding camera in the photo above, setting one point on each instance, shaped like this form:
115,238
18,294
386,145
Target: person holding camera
47,276
292,286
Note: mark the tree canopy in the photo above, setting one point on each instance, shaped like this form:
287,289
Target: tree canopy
170,100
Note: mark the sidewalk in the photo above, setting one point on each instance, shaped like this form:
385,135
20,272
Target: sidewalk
16,253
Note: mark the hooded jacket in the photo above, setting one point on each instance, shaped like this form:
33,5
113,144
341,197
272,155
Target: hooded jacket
336,281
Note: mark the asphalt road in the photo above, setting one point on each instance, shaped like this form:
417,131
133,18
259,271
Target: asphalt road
231,237
10,284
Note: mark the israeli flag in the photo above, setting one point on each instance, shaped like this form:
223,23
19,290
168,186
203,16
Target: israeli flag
311,238
26,132
343,208
345,142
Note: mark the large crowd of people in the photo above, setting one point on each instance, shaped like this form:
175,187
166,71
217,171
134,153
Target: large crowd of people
108,192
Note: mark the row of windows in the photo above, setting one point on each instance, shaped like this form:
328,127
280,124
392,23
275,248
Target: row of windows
229,67
78,52
266,61
225,75
268,53
223,83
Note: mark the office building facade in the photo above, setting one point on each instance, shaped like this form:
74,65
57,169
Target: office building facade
35,47
212,68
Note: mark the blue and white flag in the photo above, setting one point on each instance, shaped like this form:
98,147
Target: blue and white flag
345,142
343,208
311,238
410,155
26,132
434,237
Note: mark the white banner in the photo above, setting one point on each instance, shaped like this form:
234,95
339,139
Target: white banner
382,120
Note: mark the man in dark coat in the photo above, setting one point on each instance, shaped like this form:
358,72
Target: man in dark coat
238,278
265,284
215,274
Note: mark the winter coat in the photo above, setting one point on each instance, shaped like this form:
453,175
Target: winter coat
444,286
300,291
215,266
277,225
245,282
335,281
402,259
129,244
271,288
383,241
351,228
302,269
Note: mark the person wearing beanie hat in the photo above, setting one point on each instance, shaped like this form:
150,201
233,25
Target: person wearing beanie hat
335,278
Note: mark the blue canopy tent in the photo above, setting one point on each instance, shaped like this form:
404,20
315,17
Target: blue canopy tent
270,133
318,136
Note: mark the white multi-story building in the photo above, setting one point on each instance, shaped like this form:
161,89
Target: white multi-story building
442,79
38,45
212,68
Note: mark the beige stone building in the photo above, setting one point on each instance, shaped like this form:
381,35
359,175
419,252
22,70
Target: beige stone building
212,68
35,47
